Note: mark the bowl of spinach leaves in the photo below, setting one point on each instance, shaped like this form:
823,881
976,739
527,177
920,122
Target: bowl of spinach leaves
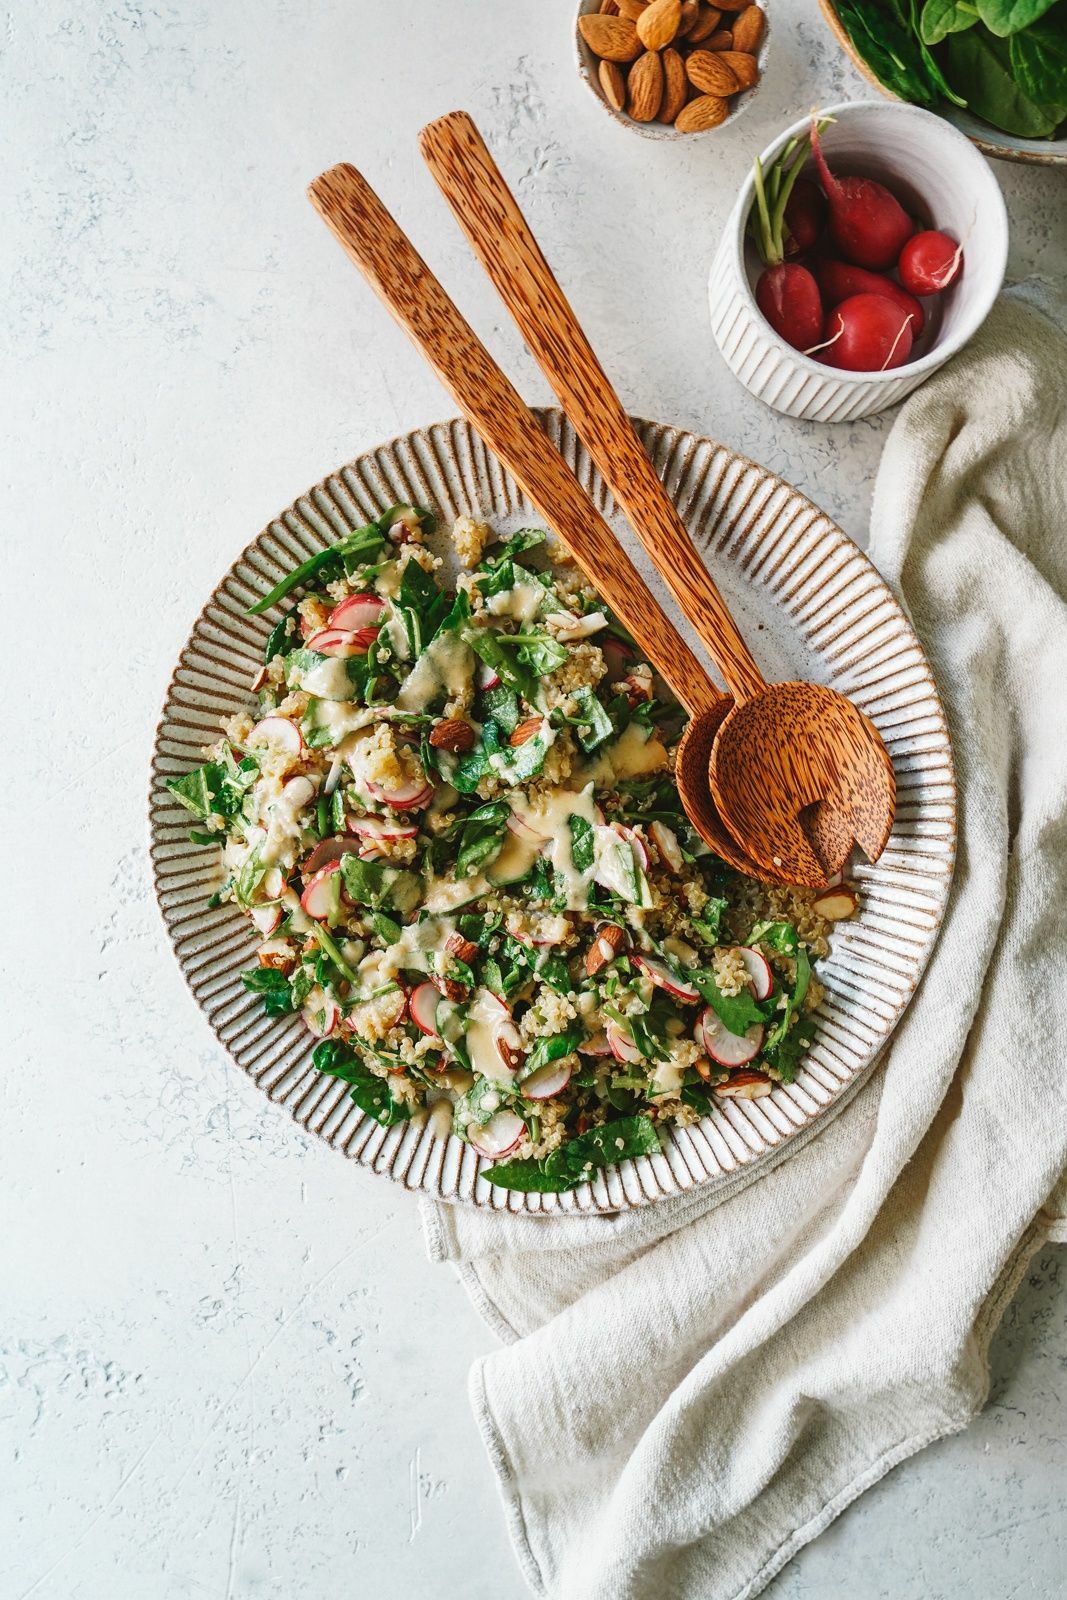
997,69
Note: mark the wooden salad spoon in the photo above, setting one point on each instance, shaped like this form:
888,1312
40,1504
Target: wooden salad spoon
391,265
797,772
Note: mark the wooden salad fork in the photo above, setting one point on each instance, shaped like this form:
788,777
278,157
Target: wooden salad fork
391,265
797,772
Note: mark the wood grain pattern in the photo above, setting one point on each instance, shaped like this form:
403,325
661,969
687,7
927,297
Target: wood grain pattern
802,774
403,281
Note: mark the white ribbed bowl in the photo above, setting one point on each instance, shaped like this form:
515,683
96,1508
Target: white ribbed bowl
941,177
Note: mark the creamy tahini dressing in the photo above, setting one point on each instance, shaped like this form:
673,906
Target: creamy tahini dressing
634,754
327,680
521,603
284,832
484,1018
447,663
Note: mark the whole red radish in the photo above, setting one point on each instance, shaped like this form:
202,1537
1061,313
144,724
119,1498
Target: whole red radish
929,262
866,333
805,213
838,280
789,298
867,223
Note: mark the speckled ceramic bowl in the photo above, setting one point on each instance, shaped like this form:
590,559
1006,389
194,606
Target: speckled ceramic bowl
589,67
938,176
817,608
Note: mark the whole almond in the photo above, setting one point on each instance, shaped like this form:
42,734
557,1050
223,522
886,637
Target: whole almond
733,5
745,68
706,111
644,87
722,39
609,940
657,26
687,18
452,734
526,730
705,25
675,86
748,29
612,84
708,73
631,8
610,38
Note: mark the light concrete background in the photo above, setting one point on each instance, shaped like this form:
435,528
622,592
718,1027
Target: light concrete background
226,1367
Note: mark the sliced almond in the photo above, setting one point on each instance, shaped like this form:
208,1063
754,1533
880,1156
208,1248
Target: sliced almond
748,29
609,940
463,949
644,87
657,25
707,72
525,731
744,1086
675,94
722,39
706,111
705,25
744,67
834,905
612,84
610,38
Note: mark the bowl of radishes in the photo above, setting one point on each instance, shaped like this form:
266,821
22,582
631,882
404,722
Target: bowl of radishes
866,247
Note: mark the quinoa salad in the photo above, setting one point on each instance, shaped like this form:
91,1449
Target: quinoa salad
449,812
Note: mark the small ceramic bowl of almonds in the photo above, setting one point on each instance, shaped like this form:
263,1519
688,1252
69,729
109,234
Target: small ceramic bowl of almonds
670,67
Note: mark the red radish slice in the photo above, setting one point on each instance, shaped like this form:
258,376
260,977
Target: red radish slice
487,678
620,1043
423,1007
548,1080
619,656
336,642
930,262
320,897
666,979
273,882
596,1046
358,611
330,850
836,904
759,971
410,797
524,830
666,842
280,733
727,1048
266,919
382,828
636,843
319,1005
502,1134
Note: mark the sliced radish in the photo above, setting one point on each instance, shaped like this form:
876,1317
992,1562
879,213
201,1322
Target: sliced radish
636,843
423,1007
278,732
759,971
266,919
666,842
319,1005
322,895
330,850
548,1080
502,1134
666,979
619,656
487,678
621,1044
596,1046
378,828
336,642
358,611
744,1086
272,884
408,797
728,1049
836,904
524,830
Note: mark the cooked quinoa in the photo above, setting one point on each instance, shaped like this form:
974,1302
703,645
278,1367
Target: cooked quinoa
450,815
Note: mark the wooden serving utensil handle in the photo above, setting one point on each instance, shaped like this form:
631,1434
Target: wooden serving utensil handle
486,210
403,281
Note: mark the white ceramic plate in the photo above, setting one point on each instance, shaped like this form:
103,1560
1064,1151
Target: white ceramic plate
812,605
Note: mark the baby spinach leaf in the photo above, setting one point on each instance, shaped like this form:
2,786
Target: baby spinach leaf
1039,61
889,48
1003,17
387,930
362,545
273,987
421,594
553,1046
371,1094
737,1012
502,704
482,837
572,1163
980,66
941,17
785,1055
581,842
709,923
280,636
525,539
594,725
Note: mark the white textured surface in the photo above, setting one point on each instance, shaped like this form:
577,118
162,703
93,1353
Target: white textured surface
225,1367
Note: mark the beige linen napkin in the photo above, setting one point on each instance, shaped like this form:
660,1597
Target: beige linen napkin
691,1392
